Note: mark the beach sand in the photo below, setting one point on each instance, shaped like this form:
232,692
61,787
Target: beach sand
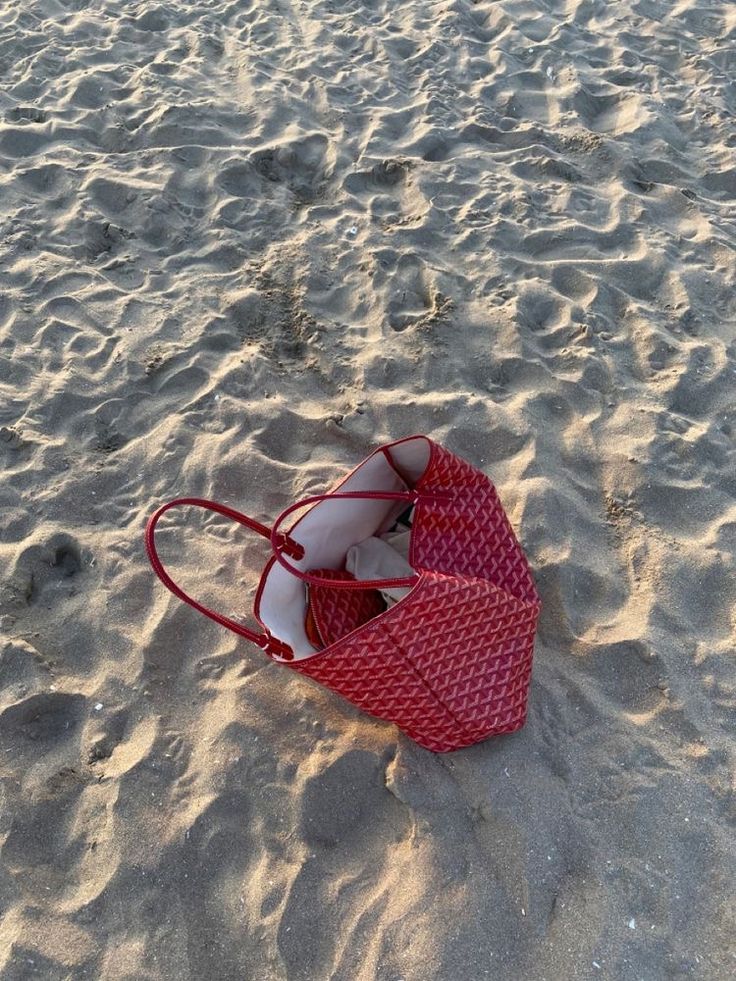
242,242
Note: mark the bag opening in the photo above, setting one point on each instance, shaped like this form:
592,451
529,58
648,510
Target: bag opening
330,528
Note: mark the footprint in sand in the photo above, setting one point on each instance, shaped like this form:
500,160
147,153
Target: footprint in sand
389,192
411,293
44,574
304,165
44,718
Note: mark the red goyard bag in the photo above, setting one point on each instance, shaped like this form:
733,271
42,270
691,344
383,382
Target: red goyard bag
449,662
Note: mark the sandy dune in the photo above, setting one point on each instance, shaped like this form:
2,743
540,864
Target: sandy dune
242,242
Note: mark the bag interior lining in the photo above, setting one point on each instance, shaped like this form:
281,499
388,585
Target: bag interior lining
329,528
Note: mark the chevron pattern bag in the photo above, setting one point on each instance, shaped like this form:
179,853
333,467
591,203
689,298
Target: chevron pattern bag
450,662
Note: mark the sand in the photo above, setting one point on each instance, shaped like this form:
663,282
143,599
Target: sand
242,242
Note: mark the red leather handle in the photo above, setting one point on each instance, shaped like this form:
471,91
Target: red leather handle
276,536
272,645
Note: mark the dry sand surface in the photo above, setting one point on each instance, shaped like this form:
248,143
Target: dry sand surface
242,242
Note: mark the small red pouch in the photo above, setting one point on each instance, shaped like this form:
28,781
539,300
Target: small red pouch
334,613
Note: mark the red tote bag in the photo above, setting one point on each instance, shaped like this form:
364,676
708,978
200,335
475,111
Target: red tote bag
450,662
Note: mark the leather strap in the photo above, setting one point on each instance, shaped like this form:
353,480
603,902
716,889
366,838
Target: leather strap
282,544
412,497
272,645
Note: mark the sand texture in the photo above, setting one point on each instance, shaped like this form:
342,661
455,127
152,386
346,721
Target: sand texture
242,242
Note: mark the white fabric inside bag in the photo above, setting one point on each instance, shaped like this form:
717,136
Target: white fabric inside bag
382,558
330,528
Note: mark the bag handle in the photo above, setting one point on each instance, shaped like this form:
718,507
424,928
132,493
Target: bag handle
271,645
412,497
